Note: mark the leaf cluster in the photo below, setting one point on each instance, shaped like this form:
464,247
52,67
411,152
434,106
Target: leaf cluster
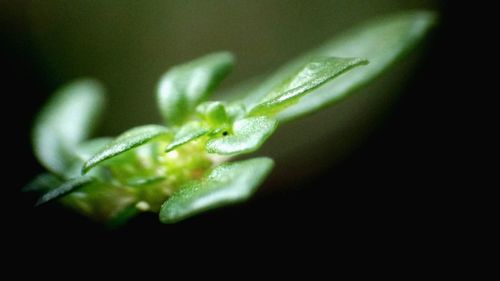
183,167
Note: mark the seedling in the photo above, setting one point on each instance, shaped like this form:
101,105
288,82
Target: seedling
187,166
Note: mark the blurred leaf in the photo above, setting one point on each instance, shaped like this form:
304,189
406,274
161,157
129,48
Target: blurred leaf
136,182
226,184
64,189
241,90
67,119
214,112
187,133
219,113
247,136
42,183
314,74
381,41
126,141
235,110
183,87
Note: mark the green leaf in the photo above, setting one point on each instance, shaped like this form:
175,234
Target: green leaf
382,41
125,142
83,152
186,134
314,74
183,87
218,113
64,189
89,148
247,135
214,112
235,110
226,184
67,119
42,183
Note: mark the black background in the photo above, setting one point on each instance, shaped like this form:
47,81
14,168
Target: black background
362,202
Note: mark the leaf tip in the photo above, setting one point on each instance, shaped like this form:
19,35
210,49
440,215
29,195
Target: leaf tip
167,218
40,202
89,164
85,168
361,61
224,57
